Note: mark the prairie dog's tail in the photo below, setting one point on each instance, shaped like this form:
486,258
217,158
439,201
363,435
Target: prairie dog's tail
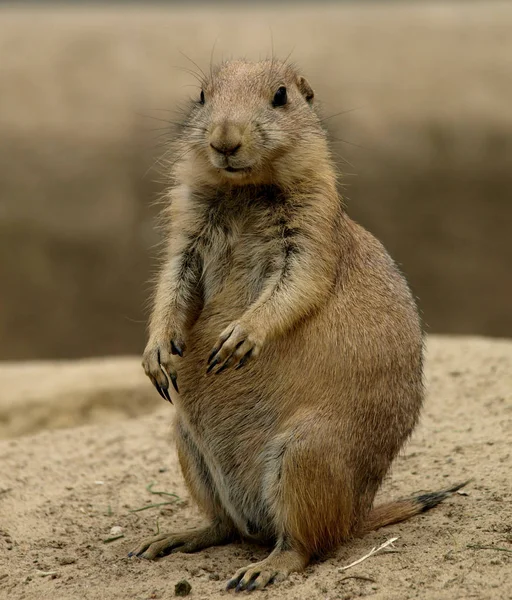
401,510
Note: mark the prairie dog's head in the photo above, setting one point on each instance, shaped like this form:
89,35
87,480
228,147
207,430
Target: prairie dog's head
252,123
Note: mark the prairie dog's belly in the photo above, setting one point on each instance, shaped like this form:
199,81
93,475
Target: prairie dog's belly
237,416
320,365
238,482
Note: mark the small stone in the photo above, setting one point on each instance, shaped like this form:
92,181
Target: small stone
182,588
116,530
214,576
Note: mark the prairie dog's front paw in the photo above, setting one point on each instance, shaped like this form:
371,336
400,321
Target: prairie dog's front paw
158,364
237,344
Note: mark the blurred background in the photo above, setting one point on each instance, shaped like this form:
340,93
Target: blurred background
424,141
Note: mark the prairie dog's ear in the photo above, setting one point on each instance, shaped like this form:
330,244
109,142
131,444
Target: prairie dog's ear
305,89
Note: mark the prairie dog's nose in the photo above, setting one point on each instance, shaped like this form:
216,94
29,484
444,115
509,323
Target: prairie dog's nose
226,139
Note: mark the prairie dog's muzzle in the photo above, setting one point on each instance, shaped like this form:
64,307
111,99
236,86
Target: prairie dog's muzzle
226,138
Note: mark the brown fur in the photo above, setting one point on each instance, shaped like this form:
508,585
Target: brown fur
265,267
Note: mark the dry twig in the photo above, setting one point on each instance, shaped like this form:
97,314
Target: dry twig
113,538
362,577
373,551
482,547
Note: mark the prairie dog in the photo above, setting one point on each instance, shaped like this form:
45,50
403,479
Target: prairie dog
293,338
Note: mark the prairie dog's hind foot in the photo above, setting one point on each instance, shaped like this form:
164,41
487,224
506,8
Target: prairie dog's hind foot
189,541
276,567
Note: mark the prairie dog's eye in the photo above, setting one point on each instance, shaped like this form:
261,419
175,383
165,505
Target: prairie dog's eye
281,97
201,98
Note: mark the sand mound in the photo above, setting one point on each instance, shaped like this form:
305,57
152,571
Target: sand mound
55,394
62,491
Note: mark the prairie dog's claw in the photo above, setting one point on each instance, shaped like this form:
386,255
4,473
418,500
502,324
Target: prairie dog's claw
174,381
158,388
176,348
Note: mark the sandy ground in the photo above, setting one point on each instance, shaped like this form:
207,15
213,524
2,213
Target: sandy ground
62,491
41,395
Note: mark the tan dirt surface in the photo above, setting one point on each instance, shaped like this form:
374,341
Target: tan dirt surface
51,395
62,491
